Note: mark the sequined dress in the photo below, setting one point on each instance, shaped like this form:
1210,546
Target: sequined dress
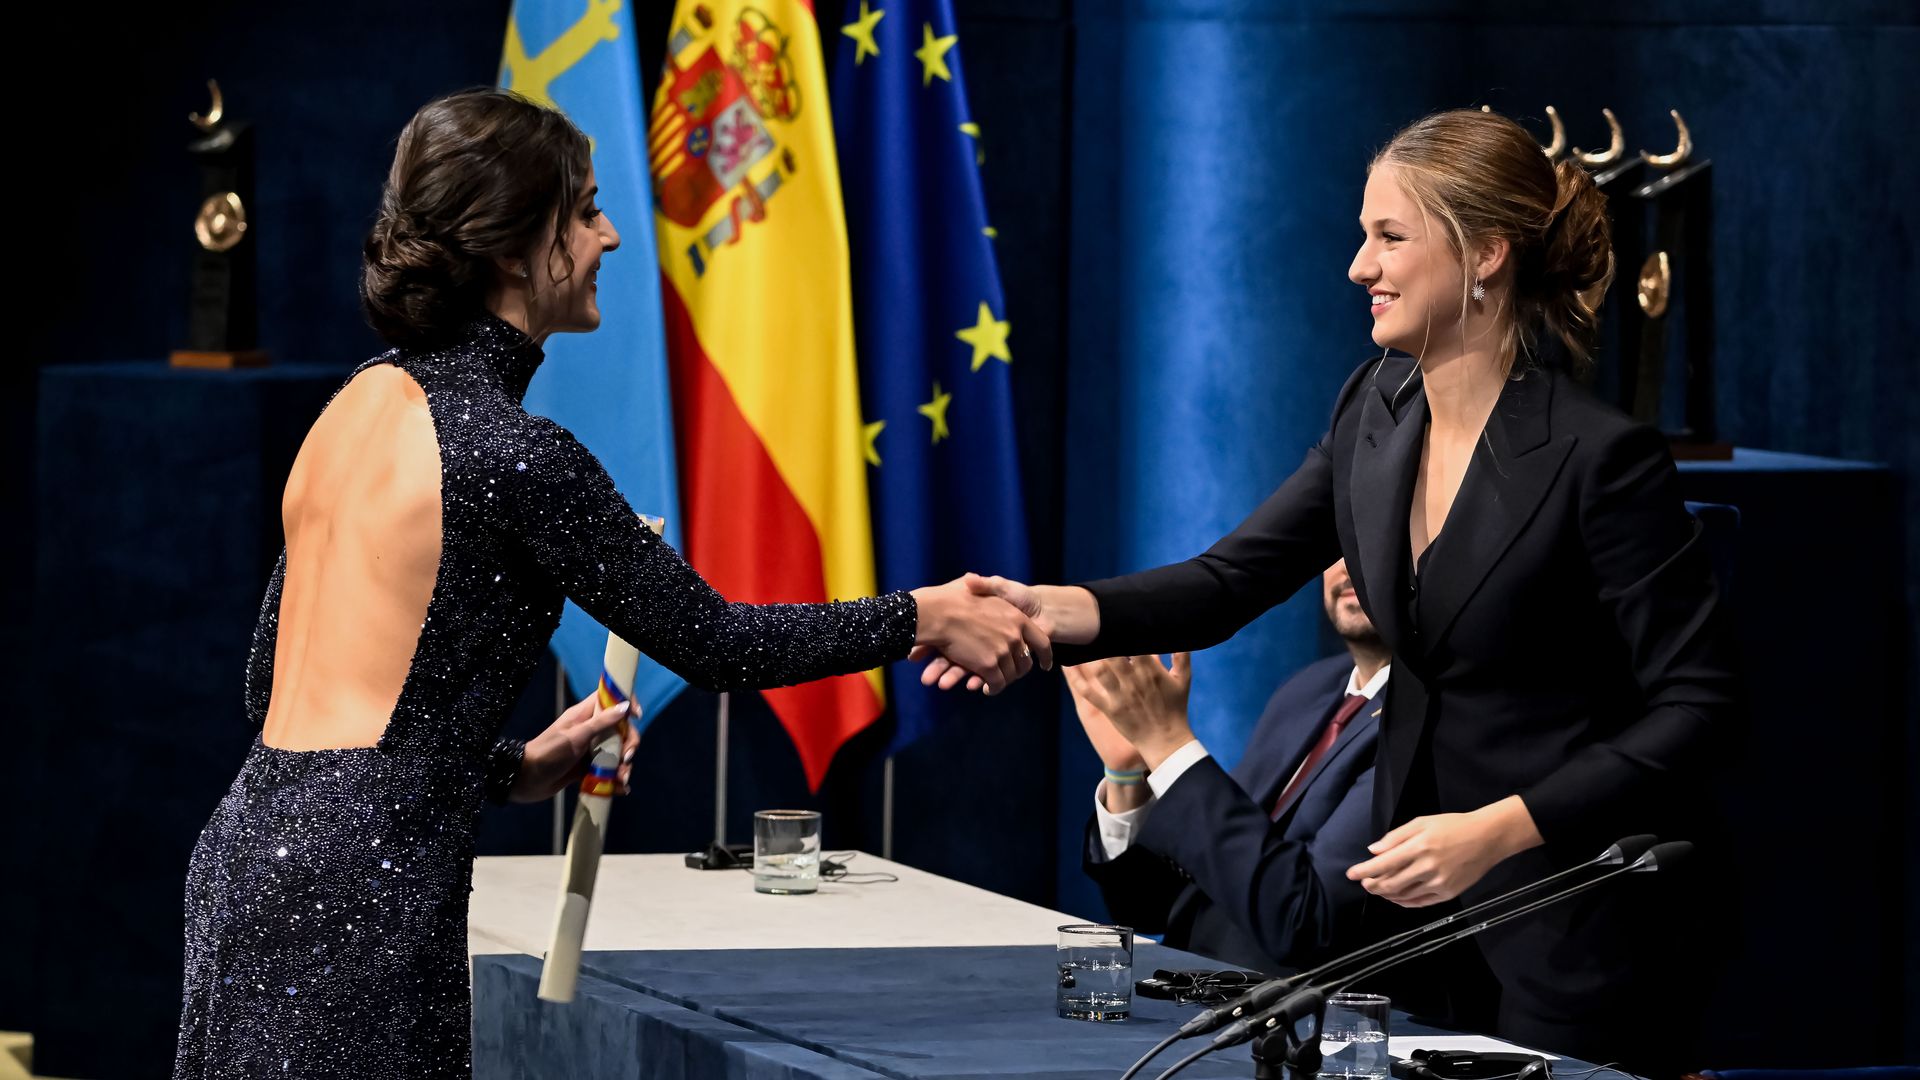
327,897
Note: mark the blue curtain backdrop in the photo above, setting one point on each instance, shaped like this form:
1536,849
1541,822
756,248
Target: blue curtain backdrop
1219,153
1219,149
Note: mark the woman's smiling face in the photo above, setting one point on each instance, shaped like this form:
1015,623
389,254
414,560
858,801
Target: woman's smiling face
1413,277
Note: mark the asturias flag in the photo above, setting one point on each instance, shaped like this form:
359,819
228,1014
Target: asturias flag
933,329
753,248
608,387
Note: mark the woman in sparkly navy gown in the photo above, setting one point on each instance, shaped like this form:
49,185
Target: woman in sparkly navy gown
433,527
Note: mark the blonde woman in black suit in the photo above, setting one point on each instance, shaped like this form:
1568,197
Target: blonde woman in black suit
1560,673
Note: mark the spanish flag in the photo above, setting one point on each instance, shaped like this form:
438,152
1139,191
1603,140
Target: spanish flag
759,323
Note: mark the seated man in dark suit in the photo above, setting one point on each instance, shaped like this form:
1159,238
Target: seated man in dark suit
1251,868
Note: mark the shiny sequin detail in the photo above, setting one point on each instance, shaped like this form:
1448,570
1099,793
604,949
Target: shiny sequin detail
327,897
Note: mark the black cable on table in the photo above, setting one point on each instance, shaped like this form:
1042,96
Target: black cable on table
1186,1061
1134,1069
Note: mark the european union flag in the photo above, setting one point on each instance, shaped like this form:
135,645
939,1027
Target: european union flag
608,387
929,318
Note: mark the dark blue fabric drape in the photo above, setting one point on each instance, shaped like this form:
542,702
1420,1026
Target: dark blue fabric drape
1219,149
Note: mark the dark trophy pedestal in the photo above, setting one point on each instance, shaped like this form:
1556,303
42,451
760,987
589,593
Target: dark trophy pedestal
223,323
1618,330
1674,296
1662,210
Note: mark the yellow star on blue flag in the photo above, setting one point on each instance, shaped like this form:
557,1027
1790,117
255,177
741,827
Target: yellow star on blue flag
988,336
932,54
861,31
936,411
928,311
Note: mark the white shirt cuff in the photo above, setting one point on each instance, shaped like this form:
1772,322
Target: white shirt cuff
1117,829
1176,763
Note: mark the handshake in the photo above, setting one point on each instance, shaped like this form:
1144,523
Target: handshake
987,632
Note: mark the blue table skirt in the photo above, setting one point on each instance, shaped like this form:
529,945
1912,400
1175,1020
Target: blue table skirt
610,1031
913,1014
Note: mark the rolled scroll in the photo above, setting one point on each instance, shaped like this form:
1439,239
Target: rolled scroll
560,971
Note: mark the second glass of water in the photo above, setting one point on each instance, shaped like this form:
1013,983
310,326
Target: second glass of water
786,851
1095,972
1353,1038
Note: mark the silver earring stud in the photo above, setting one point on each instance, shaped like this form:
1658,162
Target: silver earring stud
1479,290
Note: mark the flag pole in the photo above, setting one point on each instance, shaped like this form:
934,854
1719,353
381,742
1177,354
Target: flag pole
886,808
720,772
559,843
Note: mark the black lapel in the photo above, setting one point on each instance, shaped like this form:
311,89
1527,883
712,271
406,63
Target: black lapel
1380,487
1512,469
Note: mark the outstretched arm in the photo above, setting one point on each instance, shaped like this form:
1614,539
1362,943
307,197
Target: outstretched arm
1205,600
566,514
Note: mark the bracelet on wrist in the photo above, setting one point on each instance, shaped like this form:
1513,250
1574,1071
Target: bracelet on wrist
504,763
1133,776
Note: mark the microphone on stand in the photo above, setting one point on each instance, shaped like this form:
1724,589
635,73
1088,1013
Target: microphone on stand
1287,1016
1265,994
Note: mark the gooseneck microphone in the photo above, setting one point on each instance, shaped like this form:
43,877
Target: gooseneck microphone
1289,1009
1265,995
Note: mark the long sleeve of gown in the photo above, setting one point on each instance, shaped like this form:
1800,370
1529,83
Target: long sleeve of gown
566,513
266,632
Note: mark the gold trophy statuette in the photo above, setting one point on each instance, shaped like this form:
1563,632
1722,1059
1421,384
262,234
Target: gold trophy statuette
221,222
222,313
1656,280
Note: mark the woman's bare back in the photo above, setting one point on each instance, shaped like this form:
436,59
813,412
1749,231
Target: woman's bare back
362,516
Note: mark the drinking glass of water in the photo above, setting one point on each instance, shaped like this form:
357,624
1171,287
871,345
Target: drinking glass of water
1096,972
786,851
1353,1038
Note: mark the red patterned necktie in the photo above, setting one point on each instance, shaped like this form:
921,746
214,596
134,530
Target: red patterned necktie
1348,709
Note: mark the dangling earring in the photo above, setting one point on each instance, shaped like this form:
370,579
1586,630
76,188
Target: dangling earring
1479,290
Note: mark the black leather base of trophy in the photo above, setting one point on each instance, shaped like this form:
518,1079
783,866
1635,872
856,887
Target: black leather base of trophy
1676,286
223,328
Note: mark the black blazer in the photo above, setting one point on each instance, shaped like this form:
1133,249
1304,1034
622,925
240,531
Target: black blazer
1563,642
1215,874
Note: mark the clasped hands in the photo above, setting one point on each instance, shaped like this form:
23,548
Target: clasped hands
963,623
986,632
